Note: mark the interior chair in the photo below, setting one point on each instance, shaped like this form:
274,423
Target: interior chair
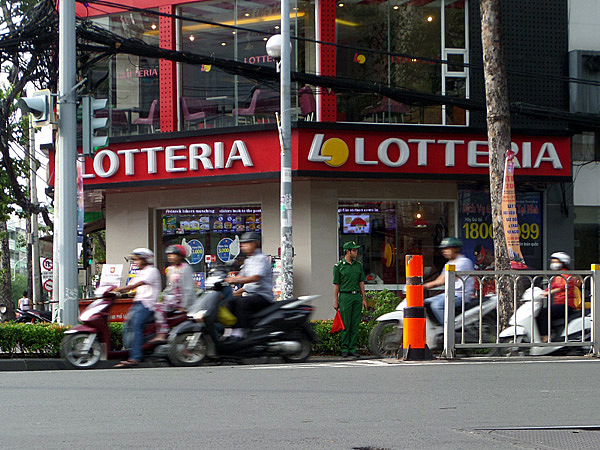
195,110
118,123
263,105
153,119
308,104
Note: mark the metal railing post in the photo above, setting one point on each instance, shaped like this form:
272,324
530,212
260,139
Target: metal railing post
595,310
449,300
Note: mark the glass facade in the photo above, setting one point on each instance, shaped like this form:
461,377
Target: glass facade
388,231
394,43
130,83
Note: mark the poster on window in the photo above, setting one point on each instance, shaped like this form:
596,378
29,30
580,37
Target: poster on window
475,226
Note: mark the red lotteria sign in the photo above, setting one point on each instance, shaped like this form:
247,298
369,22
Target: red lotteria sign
426,153
391,153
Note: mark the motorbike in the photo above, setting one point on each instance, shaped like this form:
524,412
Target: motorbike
385,340
521,327
85,345
33,316
281,329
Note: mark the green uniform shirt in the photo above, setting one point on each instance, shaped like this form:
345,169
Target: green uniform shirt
348,276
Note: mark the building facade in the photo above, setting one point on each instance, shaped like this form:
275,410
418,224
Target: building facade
193,156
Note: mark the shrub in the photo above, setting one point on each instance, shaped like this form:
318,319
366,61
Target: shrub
25,339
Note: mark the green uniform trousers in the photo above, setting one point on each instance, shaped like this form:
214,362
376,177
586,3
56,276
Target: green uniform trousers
351,312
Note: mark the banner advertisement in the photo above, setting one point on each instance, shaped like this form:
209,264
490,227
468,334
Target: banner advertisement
510,220
111,275
475,226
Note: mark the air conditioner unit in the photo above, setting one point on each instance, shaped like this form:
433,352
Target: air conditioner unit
585,65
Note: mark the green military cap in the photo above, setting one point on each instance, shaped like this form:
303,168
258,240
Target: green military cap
351,245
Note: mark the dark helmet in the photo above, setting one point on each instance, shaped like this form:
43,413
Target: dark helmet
451,242
251,236
177,250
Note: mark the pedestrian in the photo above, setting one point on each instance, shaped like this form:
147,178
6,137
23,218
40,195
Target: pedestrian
24,303
147,288
349,296
179,293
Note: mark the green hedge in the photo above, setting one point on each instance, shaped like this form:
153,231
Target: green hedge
43,340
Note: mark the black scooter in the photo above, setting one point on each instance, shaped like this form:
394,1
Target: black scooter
281,329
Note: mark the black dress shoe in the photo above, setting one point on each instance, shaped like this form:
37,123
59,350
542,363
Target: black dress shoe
344,354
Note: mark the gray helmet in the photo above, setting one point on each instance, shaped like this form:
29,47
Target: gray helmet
144,253
451,242
251,236
563,257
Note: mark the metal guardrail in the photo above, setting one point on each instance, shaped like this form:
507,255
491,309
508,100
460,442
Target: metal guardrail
521,279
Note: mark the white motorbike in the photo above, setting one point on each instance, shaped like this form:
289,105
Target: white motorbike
385,341
521,327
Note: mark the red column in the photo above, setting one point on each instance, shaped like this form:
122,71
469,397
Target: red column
168,70
327,58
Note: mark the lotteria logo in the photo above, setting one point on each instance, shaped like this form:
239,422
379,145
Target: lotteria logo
395,152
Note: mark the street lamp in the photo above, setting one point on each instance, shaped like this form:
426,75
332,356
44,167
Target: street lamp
275,44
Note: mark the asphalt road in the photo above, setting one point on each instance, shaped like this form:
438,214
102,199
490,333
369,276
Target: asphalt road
335,405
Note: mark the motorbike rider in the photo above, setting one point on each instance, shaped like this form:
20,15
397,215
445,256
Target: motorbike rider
179,292
452,251
147,288
256,278
559,261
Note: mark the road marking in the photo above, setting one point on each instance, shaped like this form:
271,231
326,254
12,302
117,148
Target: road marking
400,363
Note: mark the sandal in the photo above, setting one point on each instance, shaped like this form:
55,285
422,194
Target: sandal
126,364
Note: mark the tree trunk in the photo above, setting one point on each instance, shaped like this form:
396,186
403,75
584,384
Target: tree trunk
5,282
498,124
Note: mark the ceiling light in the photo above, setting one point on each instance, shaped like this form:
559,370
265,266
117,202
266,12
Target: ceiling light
247,14
341,5
277,27
396,7
429,18
223,44
192,38
153,26
233,32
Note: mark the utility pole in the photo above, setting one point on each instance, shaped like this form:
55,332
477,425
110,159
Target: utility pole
498,124
34,240
287,248
65,239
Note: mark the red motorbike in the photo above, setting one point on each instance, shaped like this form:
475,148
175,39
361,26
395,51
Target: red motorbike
85,345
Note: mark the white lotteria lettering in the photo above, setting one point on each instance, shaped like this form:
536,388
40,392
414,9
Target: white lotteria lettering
515,149
315,149
152,167
548,148
113,166
383,149
129,160
450,155
473,154
359,153
219,155
239,152
526,155
203,157
171,157
421,150
86,175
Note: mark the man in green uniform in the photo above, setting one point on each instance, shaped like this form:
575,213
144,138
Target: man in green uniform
349,295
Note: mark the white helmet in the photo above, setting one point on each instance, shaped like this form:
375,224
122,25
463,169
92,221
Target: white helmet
564,258
144,253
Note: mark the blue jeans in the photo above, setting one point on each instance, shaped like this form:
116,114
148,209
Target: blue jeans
134,329
437,303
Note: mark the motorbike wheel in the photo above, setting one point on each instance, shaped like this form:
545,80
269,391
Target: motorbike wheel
514,351
182,356
488,334
385,340
302,354
71,352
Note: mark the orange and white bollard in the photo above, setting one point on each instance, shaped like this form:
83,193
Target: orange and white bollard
414,339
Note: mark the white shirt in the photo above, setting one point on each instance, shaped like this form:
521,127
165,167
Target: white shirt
462,263
258,264
148,292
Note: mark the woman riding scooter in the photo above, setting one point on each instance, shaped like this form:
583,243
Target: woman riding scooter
147,288
559,261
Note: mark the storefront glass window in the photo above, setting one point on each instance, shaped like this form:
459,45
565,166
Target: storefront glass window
206,231
211,97
414,28
130,83
388,231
